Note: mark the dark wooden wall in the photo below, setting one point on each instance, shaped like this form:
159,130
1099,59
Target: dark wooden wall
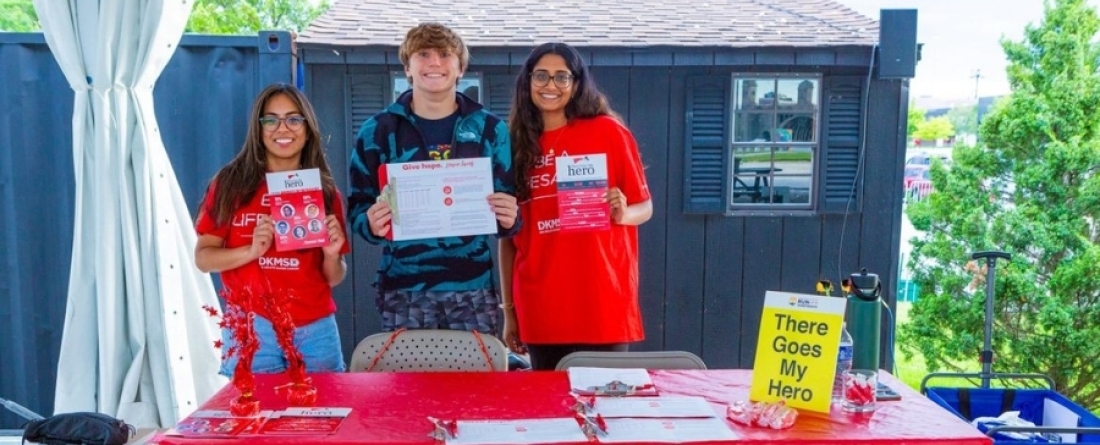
703,276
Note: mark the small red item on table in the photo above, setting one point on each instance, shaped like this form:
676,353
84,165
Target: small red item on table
859,392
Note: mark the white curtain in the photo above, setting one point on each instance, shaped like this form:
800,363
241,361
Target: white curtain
137,344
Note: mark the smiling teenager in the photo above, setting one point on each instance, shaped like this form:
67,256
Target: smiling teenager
570,291
436,283
236,232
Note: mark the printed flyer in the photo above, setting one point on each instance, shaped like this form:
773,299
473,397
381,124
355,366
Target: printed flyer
435,199
213,423
313,420
297,209
582,187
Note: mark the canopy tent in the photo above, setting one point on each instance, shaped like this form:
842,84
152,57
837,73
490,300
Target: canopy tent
137,343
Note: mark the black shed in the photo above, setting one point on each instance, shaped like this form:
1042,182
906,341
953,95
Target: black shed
773,132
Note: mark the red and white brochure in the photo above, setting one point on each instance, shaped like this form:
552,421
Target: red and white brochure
582,186
297,209
312,420
213,423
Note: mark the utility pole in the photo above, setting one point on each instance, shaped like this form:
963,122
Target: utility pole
977,78
977,103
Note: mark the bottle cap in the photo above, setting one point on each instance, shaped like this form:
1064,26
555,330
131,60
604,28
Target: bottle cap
865,285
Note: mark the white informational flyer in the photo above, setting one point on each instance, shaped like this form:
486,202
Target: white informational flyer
582,379
434,199
667,430
667,407
522,431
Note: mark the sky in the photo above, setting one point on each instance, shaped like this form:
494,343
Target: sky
960,38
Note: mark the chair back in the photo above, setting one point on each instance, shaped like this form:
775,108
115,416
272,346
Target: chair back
429,350
641,359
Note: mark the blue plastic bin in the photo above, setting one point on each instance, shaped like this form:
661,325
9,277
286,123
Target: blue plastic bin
993,402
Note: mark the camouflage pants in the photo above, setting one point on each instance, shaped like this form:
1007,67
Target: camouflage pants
462,310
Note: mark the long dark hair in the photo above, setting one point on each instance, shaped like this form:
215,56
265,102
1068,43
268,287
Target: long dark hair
525,121
237,182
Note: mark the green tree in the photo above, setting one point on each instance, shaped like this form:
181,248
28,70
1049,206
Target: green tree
916,116
251,16
964,119
1032,189
18,16
934,129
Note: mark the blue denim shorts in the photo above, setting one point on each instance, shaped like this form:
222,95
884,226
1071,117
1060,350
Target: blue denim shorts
319,343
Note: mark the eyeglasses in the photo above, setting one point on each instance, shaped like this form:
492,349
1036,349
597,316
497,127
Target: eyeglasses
293,123
541,78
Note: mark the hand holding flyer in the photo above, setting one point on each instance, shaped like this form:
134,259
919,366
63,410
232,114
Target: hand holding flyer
297,209
582,185
433,199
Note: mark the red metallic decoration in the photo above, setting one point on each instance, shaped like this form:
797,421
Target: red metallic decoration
238,319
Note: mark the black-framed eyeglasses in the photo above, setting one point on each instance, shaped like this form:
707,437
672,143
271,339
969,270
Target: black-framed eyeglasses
541,78
293,123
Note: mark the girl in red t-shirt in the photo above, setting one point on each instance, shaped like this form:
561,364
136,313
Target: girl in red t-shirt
236,234
570,290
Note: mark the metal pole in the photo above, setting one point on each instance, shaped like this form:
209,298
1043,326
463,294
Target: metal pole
19,409
977,77
990,286
986,357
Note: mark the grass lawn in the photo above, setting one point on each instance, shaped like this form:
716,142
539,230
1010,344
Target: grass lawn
913,370
779,156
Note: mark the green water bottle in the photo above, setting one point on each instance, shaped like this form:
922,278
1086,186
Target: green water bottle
865,319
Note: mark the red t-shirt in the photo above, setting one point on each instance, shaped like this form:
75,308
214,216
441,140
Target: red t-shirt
579,287
296,274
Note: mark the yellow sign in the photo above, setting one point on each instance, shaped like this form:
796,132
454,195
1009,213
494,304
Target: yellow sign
797,349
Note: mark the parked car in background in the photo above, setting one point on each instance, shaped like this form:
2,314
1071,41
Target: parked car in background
925,159
917,180
916,172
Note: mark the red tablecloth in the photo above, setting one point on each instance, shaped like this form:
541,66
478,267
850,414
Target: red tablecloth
392,408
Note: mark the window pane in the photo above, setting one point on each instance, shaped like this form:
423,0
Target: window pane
752,174
400,85
793,180
469,84
779,175
796,127
753,126
748,92
798,94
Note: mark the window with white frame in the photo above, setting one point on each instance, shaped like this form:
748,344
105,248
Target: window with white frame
469,85
775,140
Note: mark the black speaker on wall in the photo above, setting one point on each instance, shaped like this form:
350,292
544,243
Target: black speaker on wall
897,47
